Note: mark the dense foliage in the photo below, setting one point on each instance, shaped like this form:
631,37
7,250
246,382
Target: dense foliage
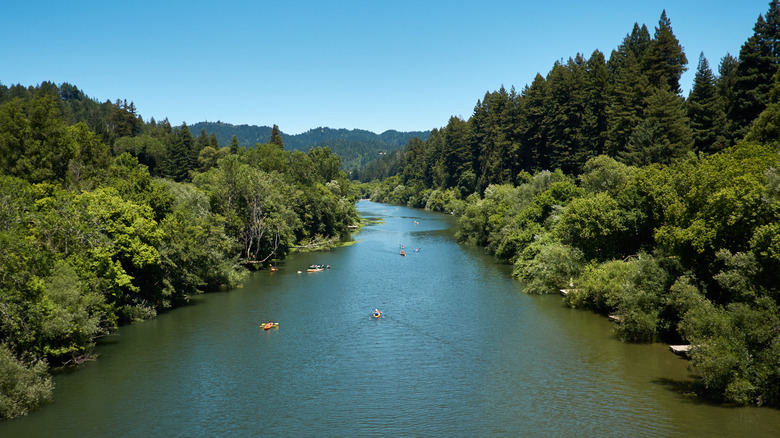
356,147
661,211
106,219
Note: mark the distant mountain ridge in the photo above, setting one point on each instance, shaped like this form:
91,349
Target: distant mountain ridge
356,147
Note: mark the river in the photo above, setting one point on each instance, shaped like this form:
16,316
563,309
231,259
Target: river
459,351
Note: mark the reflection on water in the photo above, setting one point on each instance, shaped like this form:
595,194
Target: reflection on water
459,351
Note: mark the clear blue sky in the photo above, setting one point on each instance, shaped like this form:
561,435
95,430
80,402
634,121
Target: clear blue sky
374,65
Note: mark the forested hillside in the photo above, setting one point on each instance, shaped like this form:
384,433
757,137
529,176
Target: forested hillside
106,219
356,147
602,180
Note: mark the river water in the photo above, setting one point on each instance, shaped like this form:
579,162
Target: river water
459,351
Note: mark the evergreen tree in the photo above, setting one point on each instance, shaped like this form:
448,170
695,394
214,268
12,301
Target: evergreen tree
203,140
664,62
456,156
124,121
493,145
766,128
626,105
664,134
567,115
758,61
234,145
598,89
534,153
705,111
636,43
276,137
179,155
725,84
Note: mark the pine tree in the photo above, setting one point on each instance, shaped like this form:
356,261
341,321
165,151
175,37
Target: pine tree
664,62
705,111
276,137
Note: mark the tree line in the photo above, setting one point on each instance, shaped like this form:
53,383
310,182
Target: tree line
106,219
356,147
601,180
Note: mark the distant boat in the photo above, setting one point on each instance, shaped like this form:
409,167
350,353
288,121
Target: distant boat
403,253
269,325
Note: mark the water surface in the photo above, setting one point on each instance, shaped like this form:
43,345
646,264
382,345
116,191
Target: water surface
460,351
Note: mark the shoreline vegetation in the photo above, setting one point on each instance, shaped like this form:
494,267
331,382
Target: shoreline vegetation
601,178
106,220
659,212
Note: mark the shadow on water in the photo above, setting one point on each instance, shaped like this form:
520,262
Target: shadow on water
683,388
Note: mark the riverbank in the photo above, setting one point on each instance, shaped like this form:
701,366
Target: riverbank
459,351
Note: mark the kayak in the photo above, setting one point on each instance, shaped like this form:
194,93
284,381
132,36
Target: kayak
269,325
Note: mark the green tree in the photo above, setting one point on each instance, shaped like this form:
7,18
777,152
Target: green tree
179,154
605,174
493,141
234,146
568,116
664,62
726,86
123,121
599,86
627,103
276,137
664,134
595,225
758,60
456,155
71,316
149,151
34,142
766,128
551,269
24,384
91,155
706,112
633,45
534,153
